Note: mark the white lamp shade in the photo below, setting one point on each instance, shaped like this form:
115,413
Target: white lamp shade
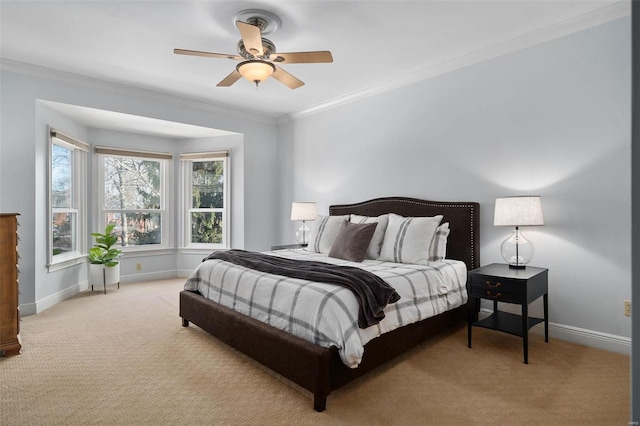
518,211
303,211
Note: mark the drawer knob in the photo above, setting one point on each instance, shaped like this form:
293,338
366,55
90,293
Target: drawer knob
497,295
496,285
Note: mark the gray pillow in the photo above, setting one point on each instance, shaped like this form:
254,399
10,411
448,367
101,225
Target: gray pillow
352,241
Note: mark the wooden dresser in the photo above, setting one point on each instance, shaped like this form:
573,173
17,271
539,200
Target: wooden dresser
9,311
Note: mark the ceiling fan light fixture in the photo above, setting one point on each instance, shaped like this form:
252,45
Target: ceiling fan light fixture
255,71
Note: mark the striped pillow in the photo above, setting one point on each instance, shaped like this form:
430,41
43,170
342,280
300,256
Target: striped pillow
438,249
373,251
408,239
325,233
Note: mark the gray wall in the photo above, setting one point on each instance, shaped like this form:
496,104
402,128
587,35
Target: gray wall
551,120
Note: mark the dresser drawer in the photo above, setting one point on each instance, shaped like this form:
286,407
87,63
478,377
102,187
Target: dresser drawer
504,290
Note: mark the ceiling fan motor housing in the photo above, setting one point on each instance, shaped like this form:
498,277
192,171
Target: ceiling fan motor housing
267,47
258,22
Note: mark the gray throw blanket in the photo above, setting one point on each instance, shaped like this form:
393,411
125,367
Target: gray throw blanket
371,291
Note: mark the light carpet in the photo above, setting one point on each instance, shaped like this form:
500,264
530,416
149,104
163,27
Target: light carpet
124,359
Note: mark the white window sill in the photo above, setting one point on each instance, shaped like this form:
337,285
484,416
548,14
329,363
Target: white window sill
200,250
67,263
132,253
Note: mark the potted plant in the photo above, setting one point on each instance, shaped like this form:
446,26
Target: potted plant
104,266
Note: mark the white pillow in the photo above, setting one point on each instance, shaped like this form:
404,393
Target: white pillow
408,239
438,249
325,233
373,251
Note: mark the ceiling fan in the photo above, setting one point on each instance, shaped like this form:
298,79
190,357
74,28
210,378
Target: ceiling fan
258,54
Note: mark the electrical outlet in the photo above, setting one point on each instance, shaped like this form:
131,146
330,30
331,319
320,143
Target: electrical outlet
627,308
138,266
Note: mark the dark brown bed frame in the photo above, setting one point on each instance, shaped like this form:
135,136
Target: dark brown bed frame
320,369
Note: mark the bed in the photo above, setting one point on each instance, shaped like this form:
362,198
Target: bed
321,369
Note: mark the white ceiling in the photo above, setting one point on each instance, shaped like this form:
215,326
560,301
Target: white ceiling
375,44
117,121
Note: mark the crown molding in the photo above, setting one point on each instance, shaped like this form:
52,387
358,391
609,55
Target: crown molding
124,89
588,20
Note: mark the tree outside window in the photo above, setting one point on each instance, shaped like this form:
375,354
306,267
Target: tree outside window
63,208
133,199
206,185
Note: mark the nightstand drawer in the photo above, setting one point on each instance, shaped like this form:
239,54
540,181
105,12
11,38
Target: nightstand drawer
504,290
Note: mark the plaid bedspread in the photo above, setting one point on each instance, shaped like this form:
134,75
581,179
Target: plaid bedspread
327,314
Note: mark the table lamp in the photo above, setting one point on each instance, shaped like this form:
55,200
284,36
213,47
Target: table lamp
303,211
516,250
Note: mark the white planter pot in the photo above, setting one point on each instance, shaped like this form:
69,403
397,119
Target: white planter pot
101,275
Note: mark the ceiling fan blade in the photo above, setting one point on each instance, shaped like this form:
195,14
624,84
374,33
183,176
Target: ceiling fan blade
206,54
287,79
230,79
302,57
251,37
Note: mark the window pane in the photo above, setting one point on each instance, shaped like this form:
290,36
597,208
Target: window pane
64,233
206,227
131,183
136,229
208,184
61,176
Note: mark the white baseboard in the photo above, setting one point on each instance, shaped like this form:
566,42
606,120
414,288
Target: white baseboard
595,339
28,309
147,276
54,299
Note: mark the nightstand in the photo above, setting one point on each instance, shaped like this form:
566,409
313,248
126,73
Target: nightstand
500,283
289,246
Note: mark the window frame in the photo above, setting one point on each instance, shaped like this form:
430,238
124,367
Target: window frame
186,204
166,221
79,202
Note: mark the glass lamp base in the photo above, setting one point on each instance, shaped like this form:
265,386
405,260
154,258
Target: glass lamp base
516,250
302,234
